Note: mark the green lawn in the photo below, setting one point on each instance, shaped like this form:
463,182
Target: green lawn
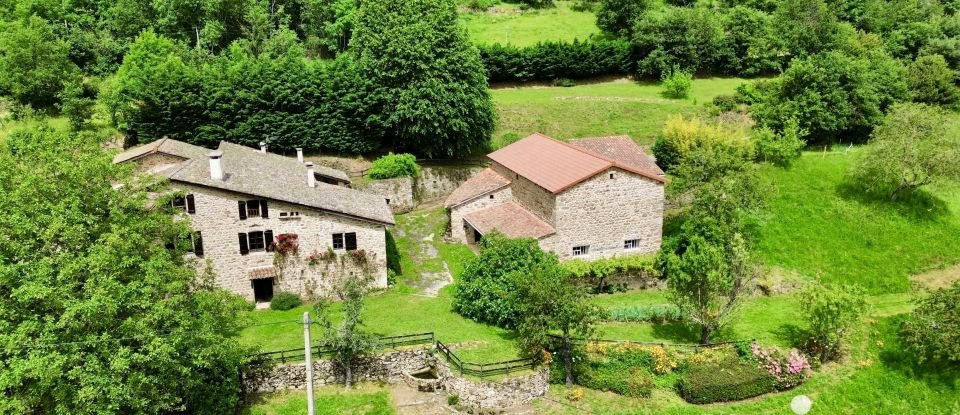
597,109
507,24
365,399
819,227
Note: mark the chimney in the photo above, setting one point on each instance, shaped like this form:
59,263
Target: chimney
216,165
311,179
300,154
263,147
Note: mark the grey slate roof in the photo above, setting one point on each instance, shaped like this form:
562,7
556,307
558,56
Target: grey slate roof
276,177
164,145
331,173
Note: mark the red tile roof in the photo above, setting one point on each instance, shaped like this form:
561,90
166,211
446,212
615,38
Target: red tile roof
511,220
556,166
620,149
477,185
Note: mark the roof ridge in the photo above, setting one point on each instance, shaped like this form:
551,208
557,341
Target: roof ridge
617,163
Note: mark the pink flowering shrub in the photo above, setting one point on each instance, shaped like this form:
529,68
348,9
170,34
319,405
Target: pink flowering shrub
788,370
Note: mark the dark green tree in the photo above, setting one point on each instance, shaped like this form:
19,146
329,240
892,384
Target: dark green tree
549,300
34,62
427,85
806,27
484,290
96,314
931,81
690,38
617,17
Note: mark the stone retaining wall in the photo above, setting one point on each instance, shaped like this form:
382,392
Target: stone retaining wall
384,367
493,395
405,194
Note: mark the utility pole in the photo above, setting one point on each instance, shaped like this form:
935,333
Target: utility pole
306,345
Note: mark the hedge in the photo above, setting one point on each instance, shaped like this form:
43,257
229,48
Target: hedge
283,301
727,380
394,165
549,61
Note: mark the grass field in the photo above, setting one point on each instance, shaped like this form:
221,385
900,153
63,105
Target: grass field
597,109
819,227
365,399
507,24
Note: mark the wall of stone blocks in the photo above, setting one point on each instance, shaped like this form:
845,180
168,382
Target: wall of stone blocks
457,225
528,194
217,218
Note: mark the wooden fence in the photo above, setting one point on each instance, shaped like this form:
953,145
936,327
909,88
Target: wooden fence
694,347
392,342
483,369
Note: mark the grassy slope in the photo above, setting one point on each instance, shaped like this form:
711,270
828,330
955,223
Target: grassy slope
607,108
505,24
820,228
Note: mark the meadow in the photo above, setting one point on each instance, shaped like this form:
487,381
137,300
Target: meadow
508,24
611,107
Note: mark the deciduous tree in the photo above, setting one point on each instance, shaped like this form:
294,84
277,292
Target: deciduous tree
349,340
933,328
34,63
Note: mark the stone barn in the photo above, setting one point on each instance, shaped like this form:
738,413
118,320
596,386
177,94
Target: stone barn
590,198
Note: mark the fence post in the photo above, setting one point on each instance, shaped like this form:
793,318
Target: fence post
309,367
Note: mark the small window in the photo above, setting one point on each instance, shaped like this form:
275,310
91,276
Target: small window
253,208
491,196
256,242
346,241
631,244
581,250
388,201
611,175
290,215
179,202
196,246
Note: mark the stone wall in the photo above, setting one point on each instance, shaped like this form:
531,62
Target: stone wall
604,212
155,162
458,226
490,395
384,367
218,220
528,194
405,194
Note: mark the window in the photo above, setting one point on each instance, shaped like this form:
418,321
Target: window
631,244
256,241
196,245
581,250
611,175
491,196
185,203
252,208
289,215
388,201
346,241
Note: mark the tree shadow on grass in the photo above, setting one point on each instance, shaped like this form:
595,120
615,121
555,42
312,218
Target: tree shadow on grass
918,205
894,357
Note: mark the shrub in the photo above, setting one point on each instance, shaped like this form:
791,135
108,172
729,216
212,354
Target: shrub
933,329
394,165
788,370
555,60
453,400
780,149
283,301
655,313
676,83
727,380
681,136
830,311
564,82
635,383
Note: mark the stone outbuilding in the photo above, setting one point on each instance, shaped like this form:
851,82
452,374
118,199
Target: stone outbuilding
265,222
590,198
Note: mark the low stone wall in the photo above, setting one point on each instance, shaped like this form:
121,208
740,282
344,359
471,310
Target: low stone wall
398,191
384,367
490,395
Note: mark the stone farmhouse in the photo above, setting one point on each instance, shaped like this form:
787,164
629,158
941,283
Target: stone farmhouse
265,222
588,199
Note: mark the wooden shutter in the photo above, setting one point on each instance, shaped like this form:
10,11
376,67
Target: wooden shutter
244,249
243,209
263,209
197,244
350,241
268,238
191,205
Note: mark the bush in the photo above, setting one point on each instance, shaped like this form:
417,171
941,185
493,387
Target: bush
933,329
635,383
830,311
656,313
564,82
780,149
394,165
727,380
548,61
453,400
283,301
676,83
680,137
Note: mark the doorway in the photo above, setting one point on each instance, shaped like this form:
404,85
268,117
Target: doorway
263,290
